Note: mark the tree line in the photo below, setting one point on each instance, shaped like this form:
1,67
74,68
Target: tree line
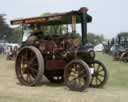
8,34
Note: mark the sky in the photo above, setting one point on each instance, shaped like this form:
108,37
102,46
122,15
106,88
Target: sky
109,16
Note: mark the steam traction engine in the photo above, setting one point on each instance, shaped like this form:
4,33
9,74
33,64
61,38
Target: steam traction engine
61,58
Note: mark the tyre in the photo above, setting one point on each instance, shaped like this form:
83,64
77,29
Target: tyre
77,75
124,57
29,66
100,75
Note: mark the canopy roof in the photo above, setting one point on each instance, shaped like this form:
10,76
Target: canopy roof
53,19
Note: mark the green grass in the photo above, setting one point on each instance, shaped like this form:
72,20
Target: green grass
118,71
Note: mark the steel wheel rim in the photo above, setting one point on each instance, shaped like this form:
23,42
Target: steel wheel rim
25,70
99,74
76,75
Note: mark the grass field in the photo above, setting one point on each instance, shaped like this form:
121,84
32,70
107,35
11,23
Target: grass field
118,71
116,90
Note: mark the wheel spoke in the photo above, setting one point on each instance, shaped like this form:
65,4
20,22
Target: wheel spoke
31,61
82,82
97,78
26,54
82,74
72,79
77,81
34,70
28,77
73,70
34,65
98,67
100,70
77,66
100,75
23,60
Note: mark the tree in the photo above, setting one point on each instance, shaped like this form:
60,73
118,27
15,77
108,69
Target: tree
123,34
17,34
5,30
122,37
8,34
95,39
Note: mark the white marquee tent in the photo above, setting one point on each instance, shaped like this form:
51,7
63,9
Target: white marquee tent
99,47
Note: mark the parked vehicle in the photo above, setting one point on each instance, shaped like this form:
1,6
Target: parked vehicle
2,49
11,52
60,57
120,48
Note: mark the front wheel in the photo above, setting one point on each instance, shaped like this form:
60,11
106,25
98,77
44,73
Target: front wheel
124,57
77,75
100,74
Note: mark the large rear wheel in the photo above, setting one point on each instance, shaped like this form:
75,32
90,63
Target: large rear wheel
29,66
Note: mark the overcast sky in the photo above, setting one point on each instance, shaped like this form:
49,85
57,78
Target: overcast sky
109,16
